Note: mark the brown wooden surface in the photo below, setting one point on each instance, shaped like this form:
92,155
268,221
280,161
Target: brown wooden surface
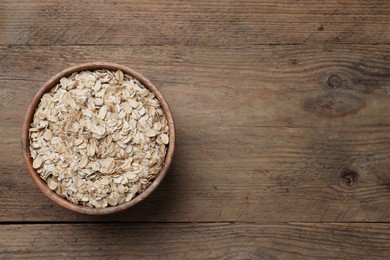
205,241
283,129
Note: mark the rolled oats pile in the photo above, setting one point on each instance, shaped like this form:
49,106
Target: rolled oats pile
98,138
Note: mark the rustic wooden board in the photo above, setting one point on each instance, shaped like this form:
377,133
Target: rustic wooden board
217,23
205,241
282,116
262,134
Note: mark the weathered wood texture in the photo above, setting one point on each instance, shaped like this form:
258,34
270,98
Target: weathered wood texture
205,241
262,134
217,23
282,112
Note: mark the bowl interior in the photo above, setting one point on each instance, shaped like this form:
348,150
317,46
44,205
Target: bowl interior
29,117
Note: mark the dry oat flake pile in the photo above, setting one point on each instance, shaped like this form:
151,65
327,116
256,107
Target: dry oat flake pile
98,138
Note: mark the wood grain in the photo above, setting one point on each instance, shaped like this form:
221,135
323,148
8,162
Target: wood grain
259,86
194,23
284,175
282,118
265,136
205,241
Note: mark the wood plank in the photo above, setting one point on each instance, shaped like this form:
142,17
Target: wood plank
263,137
288,84
200,23
200,241
241,174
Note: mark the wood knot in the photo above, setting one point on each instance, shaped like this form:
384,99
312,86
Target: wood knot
348,177
334,104
334,81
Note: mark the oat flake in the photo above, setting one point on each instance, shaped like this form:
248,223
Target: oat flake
98,138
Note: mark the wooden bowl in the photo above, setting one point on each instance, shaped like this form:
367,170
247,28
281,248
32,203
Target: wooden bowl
26,143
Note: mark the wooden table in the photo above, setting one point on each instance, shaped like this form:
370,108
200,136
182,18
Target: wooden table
283,127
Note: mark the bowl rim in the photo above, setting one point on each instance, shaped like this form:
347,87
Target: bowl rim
29,117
